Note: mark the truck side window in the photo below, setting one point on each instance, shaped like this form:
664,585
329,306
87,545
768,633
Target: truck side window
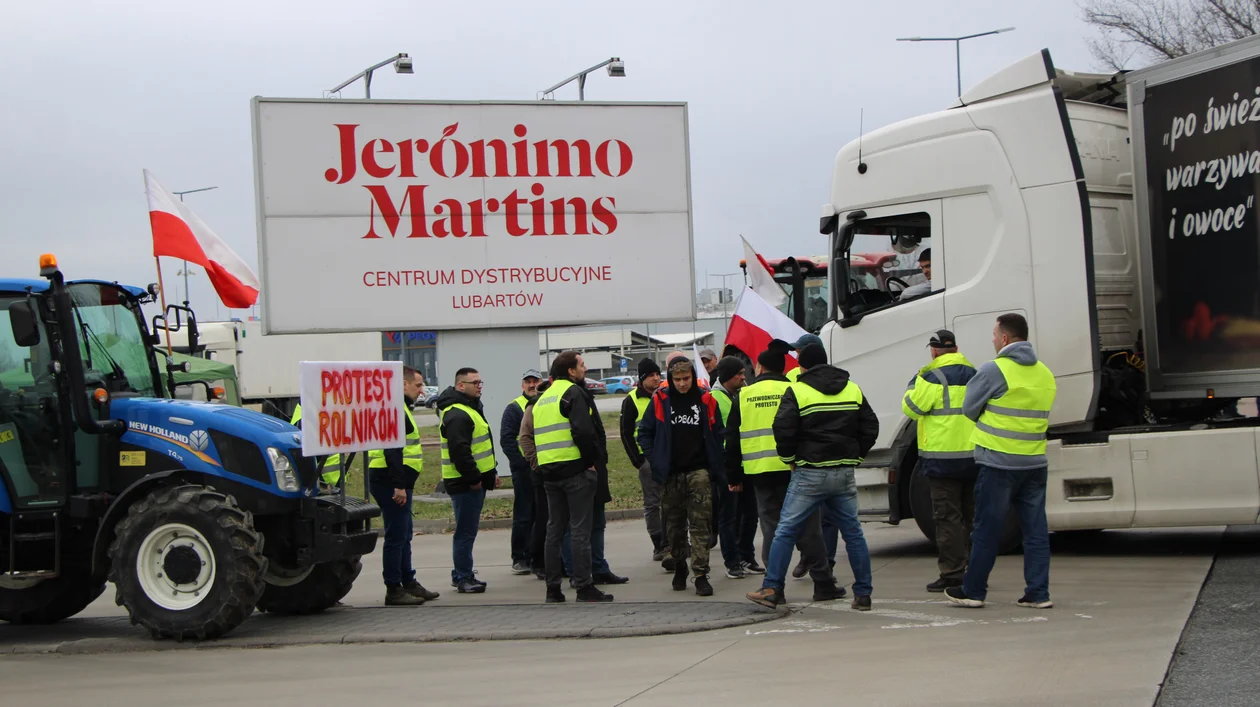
890,262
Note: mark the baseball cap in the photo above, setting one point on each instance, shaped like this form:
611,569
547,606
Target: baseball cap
532,373
805,340
943,339
708,353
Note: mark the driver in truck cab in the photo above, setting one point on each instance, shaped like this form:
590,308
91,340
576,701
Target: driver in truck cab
925,287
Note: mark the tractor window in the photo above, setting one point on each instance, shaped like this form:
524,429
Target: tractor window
31,462
111,340
889,262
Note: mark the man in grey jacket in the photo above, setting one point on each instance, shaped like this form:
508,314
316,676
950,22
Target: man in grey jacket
1010,399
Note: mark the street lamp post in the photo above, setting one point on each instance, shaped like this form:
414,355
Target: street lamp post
616,69
402,65
957,44
185,270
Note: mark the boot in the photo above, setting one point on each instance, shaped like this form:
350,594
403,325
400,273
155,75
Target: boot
554,595
703,588
590,594
658,548
768,597
827,591
397,596
416,589
680,575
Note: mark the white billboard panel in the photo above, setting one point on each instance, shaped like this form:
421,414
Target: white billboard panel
376,215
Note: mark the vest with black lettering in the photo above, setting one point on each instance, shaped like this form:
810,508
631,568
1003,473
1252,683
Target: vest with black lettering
482,447
758,404
811,401
332,465
413,451
553,435
1017,421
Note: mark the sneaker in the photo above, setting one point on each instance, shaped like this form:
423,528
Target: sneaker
768,597
455,582
555,595
942,584
471,586
703,588
397,596
667,564
957,596
736,573
828,591
659,554
520,568
591,594
861,602
1029,603
751,567
609,578
800,569
680,576
416,589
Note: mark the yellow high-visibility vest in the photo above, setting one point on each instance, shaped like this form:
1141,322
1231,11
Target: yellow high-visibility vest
758,404
413,452
553,435
1017,421
811,401
482,444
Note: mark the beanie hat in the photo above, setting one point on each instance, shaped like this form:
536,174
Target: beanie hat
772,358
647,367
728,368
812,355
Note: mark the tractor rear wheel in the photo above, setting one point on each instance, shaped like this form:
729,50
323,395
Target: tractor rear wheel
310,590
187,563
47,601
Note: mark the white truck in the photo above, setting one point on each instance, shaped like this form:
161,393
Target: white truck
267,366
1118,214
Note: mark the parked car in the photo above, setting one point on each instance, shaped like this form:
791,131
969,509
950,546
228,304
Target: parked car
595,386
428,396
620,384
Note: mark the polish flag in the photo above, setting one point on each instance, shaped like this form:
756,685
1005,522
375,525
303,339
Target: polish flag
178,233
702,375
755,323
761,277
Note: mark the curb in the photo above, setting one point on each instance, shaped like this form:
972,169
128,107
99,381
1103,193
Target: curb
139,644
437,527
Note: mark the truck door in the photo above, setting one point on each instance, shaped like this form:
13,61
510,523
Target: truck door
33,462
881,336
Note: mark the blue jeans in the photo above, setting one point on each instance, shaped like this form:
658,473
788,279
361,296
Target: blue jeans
599,565
996,490
396,553
835,490
522,516
467,507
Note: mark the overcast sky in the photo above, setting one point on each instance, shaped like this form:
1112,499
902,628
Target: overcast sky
97,91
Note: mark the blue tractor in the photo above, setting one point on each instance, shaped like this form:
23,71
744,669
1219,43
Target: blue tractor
198,513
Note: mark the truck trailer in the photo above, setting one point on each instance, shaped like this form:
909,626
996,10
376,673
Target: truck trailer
1117,213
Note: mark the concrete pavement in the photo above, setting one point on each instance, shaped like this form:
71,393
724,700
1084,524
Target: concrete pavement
1121,603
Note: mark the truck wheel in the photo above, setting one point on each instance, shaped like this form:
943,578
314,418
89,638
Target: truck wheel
187,563
310,590
47,601
921,506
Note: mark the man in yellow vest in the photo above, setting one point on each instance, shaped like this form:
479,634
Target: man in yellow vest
524,508
392,475
752,461
1010,399
570,454
823,428
331,473
468,469
632,409
946,459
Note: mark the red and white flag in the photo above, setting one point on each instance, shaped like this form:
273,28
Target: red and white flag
755,323
761,277
178,233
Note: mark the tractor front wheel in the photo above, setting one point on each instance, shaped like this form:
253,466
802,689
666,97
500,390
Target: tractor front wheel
46,601
309,590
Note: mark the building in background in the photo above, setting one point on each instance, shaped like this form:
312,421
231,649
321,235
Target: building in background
417,349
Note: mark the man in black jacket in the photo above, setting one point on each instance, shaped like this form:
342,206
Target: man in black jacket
523,509
824,427
632,409
573,463
468,469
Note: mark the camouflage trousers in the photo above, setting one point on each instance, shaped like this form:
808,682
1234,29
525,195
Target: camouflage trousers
687,500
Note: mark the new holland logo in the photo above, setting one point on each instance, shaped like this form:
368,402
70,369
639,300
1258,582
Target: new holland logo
199,439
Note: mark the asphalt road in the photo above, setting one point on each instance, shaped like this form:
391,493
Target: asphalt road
1217,662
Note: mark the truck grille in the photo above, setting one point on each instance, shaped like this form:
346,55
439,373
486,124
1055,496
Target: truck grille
240,456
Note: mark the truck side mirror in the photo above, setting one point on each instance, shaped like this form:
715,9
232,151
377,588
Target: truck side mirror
22,321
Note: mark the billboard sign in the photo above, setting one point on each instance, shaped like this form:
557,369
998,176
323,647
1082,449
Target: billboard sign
400,215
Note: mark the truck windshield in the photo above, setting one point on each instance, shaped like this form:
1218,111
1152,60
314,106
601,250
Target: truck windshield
111,339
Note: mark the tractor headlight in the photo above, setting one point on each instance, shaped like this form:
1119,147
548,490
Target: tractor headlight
286,478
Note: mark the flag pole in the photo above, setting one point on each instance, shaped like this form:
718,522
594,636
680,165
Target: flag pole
162,295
